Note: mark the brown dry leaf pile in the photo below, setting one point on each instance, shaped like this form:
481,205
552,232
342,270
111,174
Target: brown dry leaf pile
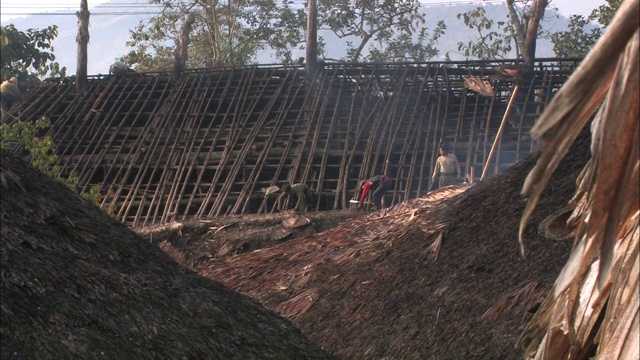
439,277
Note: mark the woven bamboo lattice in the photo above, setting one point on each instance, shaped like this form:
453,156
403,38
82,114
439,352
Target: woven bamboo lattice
205,144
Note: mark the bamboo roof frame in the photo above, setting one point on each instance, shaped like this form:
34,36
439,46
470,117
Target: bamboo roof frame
165,148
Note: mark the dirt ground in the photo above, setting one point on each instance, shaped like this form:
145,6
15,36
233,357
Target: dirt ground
440,277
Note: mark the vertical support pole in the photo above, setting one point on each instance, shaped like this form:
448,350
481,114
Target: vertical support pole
312,39
83,40
500,130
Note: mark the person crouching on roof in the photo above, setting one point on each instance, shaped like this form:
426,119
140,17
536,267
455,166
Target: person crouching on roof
306,197
378,186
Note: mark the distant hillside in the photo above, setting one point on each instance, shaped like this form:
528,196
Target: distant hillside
109,34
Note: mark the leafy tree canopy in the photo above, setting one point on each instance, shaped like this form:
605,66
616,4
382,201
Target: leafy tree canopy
604,13
229,33
496,39
28,55
232,33
381,30
577,41
491,42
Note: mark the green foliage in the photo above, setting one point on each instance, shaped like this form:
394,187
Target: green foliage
28,55
604,13
494,38
232,33
41,149
93,195
402,48
42,152
229,33
575,42
151,51
388,25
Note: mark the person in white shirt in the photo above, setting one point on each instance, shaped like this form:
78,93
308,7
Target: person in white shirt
447,167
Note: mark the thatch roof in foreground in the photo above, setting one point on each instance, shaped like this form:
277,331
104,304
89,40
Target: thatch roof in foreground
593,310
438,277
79,285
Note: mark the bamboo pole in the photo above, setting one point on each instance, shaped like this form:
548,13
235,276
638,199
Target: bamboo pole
290,138
244,143
342,185
164,148
419,108
470,141
500,130
205,102
282,92
218,135
236,126
333,124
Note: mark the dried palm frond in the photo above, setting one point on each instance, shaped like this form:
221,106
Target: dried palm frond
175,254
435,246
557,226
594,303
513,70
524,295
483,87
297,305
296,221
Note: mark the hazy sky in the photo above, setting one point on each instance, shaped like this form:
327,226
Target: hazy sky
10,8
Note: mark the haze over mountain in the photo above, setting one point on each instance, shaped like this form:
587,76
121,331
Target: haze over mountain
109,34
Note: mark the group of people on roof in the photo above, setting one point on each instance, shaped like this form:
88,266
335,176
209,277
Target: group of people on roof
446,171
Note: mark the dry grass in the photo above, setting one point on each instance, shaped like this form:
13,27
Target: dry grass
526,295
593,307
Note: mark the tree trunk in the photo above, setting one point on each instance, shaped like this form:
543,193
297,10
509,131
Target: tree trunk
182,46
83,40
312,39
537,13
527,28
518,26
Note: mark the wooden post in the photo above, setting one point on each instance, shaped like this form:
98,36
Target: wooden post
83,40
312,38
183,45
500,130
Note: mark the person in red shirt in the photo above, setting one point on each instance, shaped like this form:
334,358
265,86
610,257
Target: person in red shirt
378,186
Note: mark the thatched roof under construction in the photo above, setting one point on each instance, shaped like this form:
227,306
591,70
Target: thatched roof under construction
164,149
79,285
437,277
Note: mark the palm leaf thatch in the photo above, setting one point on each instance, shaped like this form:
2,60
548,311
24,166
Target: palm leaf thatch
526,295
593,307
77,284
